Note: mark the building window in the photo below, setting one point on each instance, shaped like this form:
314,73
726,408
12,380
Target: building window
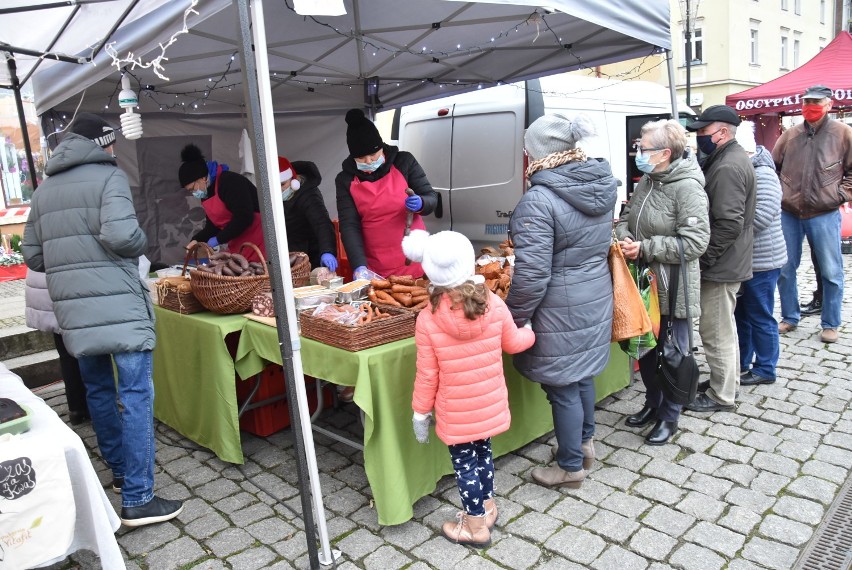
796,50
753,46
697,42
821,44
784,5
797,7
821,11
783,52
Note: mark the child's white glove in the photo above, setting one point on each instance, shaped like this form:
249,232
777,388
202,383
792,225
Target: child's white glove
421,426
528,325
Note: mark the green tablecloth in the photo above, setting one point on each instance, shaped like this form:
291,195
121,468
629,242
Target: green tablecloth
400,470
194,379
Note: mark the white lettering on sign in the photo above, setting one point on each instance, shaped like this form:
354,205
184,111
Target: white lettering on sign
785,101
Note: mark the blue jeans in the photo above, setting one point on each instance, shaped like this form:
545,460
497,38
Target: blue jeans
665,409
126,438
756,328
823,233
474,467
573,408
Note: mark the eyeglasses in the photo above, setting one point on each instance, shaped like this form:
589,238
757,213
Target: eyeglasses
641,151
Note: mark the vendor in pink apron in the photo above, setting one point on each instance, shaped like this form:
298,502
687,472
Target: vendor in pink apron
229,201
377,190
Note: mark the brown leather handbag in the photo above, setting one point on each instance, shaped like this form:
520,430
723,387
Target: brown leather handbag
629,316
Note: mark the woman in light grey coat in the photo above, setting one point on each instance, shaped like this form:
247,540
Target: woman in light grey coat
562,229
669,203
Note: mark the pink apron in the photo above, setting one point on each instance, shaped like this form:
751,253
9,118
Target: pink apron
382,210
220,215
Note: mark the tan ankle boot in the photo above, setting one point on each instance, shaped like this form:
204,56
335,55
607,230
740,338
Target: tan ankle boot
468,530
490,512
555,476
588,448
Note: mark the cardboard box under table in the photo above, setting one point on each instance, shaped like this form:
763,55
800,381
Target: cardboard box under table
399,469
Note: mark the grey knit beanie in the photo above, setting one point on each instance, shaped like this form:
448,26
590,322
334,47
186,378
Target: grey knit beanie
555,133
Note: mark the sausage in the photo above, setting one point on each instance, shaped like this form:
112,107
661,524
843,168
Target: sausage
204,268
220,256
244,264
421,305
421,282
234,266
367,315
416,299
380,283
385,297
401,279
217,269
371,294
403,288
404,298
227,270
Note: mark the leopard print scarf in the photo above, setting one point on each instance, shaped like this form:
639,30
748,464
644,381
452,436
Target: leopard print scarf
556,159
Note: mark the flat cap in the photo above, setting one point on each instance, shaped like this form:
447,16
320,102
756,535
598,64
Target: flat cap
712,114
818,92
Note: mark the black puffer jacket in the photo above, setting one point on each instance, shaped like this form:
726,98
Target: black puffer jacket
347,212
309,226
240,197
562,229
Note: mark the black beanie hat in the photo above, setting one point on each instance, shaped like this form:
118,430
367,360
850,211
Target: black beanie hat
362,136
194,165
93,128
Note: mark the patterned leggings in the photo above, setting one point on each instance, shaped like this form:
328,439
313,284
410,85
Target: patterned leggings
474,474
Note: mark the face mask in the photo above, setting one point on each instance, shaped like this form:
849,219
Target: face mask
200,194
643,163
371,166
813,112
288,193
705,142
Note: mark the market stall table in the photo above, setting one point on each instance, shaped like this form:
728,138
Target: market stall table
96,520
400,470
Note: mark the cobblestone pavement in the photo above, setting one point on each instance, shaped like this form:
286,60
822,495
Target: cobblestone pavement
734,490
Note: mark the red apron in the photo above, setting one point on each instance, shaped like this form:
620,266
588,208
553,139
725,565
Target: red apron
381,207
220,215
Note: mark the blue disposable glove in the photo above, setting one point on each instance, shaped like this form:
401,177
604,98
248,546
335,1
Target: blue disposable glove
360,272
414,203
213,242
329,261
421,426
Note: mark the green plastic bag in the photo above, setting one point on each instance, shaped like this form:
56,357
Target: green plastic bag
638,346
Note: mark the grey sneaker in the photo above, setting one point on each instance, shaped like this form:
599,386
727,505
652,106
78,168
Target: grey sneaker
154,511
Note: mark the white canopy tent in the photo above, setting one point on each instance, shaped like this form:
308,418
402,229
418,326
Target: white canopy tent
380,53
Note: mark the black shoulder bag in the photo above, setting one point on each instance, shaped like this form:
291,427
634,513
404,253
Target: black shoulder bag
678,369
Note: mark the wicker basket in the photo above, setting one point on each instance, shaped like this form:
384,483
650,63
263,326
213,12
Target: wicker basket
355,338
228,295
300,269
183,302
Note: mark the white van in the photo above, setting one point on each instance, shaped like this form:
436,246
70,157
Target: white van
471,146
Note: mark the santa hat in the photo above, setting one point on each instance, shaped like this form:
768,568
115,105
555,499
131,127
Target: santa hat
745,136
447,257
287,172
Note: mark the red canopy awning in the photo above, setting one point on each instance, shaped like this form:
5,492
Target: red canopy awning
832,67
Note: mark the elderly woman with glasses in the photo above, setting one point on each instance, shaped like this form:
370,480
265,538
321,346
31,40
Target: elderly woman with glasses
669,203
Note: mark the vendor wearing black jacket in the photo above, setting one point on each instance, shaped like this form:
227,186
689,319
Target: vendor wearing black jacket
229,201
373,203
309,226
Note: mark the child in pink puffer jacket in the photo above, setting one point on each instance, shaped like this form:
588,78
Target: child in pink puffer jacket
460,337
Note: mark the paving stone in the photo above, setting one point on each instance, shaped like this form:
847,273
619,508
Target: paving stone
592,491
514,552
769,483
761,441
271,530
701,506
353,476
534,526
799,436
710,486
627,459
407,535
818,415
572,511
668,521
810,487
576,545
338,526
748,410
825,471
796,450
702,463
740,520
695,442
294,547
775,463
625,440
727,432
838,440
658,490
761,426
694,424
667,471
816,427
777,417
780,406
176,554
626,505
786,531
250,514
843,426
652,544
801,510
752,500
557,563
359,543
193,509
229,541
617,477
717,538
770,553
738,473
834,455
252,559
386,558
235,502
345,501
693,557
440,553
535,496
206,526
148,538
611,525
182,465
476,563
732,452
198,476
438,517
616,557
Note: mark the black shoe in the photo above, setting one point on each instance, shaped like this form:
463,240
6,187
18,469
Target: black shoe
704,403
812,308
154,511
752,379
116,484
703,385
662,433
641,418
76,418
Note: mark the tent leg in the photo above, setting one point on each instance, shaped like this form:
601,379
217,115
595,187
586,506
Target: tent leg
16,87
253,51
672,88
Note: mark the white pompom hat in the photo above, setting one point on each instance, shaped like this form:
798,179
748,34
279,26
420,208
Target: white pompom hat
447,257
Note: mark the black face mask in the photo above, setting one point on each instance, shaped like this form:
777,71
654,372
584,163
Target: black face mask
705,142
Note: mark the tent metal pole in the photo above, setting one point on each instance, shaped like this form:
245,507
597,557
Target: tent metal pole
253,51
672,89
63,4
52,42
16,88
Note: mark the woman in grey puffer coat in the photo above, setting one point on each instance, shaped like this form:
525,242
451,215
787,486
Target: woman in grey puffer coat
668,203
756,327
562,229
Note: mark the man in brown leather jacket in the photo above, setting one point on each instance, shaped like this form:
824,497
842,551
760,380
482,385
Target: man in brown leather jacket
814,161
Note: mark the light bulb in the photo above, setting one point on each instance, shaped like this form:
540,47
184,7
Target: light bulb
131,123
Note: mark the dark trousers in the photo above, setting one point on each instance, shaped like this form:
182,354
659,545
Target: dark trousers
474,467
666,410
75,391
573,408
